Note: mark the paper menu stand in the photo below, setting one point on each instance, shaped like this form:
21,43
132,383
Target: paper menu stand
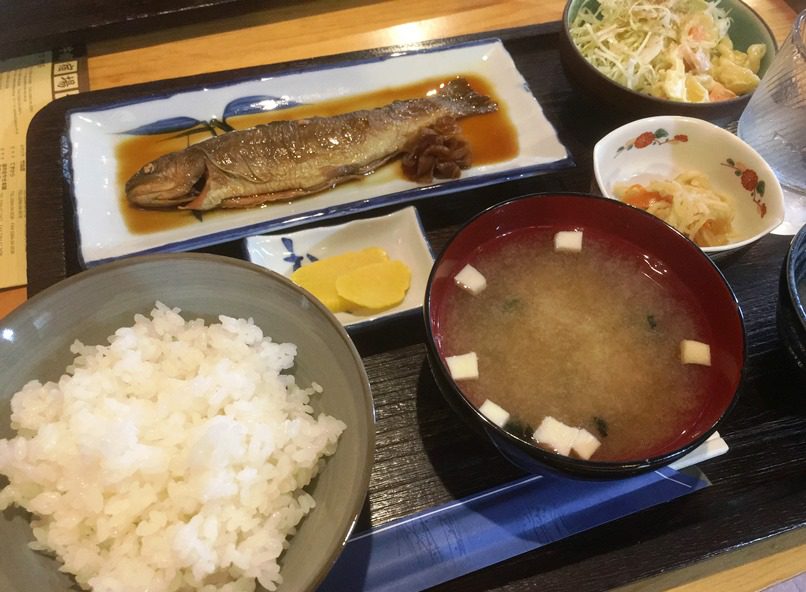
27,84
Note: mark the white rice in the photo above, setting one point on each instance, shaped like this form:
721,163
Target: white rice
171,459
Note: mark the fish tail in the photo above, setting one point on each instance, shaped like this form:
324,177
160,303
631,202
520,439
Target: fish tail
463,100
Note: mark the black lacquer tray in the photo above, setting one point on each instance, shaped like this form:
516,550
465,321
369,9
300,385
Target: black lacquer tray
424,456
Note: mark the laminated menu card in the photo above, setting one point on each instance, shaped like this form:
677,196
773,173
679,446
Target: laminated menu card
26,85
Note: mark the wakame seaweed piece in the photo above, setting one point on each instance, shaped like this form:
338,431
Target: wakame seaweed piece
519,429
651,320
601,426
511,304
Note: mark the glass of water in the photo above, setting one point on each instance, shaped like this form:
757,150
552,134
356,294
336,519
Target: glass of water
774,122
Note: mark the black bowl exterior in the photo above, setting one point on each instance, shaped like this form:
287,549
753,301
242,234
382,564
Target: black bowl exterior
791,314
532,458
635,104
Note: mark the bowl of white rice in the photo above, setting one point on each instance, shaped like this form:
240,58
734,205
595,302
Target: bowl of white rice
178,422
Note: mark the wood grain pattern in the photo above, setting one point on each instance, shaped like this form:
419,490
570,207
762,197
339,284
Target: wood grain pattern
301,30
749,569
42,25
423,454
11,298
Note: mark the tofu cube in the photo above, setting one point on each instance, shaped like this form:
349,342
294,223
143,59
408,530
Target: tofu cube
568,241
585,444
555,434
495,413
464,366
695,352
470,279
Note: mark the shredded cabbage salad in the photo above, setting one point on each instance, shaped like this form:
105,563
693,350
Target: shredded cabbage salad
672,49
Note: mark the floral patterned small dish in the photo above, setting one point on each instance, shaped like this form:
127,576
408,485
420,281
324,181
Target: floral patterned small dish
400,234
665,146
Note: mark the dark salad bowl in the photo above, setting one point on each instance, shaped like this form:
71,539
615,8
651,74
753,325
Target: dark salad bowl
791,312
747,27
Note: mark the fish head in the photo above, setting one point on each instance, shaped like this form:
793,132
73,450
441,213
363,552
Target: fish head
170,180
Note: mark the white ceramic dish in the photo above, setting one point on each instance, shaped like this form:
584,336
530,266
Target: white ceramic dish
663,147
94,137
714,446
400,234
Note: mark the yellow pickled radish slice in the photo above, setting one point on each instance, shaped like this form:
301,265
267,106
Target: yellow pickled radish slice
375,286
319,277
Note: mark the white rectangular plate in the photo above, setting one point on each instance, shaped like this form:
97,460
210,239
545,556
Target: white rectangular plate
95,135
400,234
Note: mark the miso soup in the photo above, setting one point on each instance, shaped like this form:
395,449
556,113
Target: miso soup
590,338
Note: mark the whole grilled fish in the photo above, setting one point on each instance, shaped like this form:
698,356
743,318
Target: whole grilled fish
283,160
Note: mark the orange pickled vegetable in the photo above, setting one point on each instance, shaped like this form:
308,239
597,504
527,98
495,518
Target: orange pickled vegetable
719,93
639,196
319,278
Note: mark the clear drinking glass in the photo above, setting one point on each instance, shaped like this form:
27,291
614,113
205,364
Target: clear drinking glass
774,122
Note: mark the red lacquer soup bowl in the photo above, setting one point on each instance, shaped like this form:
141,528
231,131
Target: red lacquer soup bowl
679,273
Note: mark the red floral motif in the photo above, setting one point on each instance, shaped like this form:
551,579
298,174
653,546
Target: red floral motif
644,140
658,137
750,181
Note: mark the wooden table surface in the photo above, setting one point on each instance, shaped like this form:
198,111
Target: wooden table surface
305,29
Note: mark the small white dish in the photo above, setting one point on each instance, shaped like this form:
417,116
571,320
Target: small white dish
95,138
665,146
400,234
714,446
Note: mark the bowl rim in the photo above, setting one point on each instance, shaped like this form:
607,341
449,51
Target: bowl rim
571,466
368,408
776,195
658,101
797,39
798,244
